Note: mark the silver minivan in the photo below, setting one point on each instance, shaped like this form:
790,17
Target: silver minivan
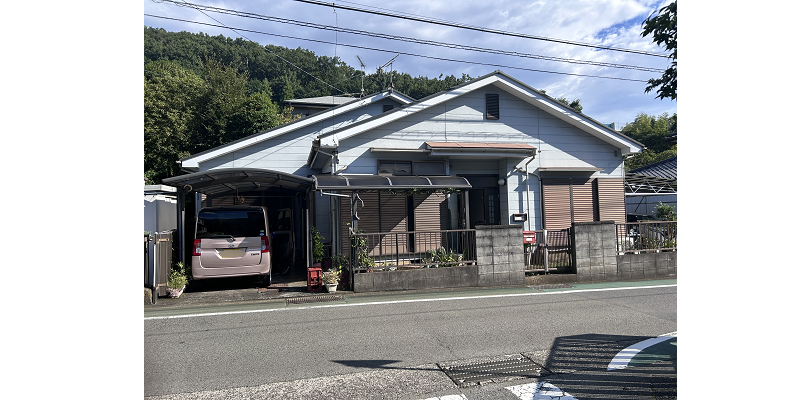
231,241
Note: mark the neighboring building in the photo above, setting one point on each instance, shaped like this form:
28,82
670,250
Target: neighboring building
649,185
312,105
160,214
512,154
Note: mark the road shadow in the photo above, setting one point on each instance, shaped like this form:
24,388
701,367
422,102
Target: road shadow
578,365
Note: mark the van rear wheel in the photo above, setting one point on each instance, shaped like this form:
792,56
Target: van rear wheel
267,280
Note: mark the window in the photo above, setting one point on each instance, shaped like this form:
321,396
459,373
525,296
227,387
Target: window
225,223
396,168
491,106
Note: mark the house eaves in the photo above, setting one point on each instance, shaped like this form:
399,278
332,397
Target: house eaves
192,162
507,83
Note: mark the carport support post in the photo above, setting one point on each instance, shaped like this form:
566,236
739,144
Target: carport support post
181,205
309,243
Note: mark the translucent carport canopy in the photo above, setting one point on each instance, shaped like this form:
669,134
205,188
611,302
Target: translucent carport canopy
377,182
218,181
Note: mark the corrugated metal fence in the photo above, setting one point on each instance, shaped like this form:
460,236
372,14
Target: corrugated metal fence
163,251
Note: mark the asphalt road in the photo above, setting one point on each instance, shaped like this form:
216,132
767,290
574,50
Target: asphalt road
404,336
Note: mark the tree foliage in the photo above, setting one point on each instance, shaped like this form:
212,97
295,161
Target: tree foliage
575,104
267,65
662,27
186,112
653,132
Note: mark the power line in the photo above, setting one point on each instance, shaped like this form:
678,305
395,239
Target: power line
415,40
480,29
278,56
400,52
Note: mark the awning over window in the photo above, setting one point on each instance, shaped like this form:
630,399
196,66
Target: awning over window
216,181
376,182
493,150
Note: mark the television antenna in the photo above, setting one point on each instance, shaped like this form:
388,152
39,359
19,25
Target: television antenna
362,68
390,62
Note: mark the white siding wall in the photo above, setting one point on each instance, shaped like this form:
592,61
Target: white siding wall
462,120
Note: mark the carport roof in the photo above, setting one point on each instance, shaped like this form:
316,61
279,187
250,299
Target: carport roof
382,182
217,181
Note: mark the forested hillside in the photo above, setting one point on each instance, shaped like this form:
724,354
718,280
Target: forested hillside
262,64
203,91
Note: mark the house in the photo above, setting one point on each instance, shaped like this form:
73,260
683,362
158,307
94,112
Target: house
312,105
491,151
649,185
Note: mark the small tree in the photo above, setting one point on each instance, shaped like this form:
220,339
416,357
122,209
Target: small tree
665,212
318,247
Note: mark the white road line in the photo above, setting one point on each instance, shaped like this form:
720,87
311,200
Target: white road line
449,397
539,391
407,301
621,360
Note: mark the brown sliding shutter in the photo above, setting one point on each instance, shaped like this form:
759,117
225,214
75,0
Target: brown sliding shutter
611,200
584,203
568,200
430,213
369,215
557,203
393,218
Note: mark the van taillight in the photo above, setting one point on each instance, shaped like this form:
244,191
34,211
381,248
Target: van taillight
264,244
197,249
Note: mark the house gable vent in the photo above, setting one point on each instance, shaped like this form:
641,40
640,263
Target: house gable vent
491,106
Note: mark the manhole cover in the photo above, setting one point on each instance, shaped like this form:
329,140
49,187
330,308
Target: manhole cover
496,369
313,299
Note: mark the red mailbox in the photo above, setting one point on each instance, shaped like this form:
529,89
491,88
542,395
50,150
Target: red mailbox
314,279
529,237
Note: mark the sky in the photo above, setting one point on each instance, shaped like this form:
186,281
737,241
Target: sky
610,23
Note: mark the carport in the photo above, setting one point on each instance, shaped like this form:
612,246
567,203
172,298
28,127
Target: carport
249,186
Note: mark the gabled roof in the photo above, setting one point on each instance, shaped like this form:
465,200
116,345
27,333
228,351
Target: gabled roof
661,169
192,161
506,83
321,101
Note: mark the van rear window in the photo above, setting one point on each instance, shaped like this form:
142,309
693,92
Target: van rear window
236,223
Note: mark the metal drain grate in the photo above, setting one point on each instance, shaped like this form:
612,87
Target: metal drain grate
552,286
313,299
497,369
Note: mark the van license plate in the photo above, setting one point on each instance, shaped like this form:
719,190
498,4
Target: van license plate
232,253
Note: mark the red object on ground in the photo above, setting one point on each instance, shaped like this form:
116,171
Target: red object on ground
314,279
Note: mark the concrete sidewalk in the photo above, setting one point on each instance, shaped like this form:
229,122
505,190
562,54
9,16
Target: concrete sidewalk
244,290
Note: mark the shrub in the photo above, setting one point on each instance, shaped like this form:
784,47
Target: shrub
177,277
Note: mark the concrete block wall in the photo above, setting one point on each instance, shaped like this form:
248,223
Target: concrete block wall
416,279
647,266
500,255
595,250
597,258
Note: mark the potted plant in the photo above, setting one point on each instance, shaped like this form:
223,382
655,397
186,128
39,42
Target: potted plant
330,280
318,247
177,281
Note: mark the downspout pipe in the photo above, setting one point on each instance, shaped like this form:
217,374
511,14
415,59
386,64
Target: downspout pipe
528,208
